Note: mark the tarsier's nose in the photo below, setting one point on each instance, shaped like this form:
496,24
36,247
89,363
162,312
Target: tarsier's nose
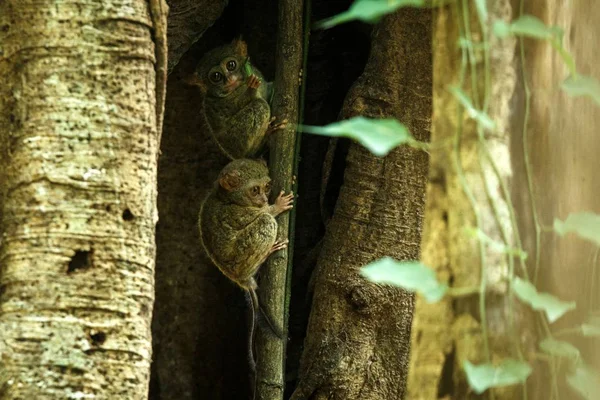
231,81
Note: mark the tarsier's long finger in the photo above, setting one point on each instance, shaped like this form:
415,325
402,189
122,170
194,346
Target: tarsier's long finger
287,204
280,245
253,81
279,125
288,199
276,126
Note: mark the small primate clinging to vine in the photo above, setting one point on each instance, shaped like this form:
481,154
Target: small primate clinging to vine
236,101
238,229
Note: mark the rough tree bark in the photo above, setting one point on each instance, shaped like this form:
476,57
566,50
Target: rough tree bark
78,150
357,345
188,20
464,192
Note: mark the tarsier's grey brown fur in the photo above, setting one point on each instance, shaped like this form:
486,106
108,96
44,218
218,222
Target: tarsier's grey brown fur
236,101
238,229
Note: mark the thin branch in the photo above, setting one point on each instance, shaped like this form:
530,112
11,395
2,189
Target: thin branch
275,277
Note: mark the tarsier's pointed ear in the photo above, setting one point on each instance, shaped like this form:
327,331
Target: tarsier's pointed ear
230,180
240,46
262,161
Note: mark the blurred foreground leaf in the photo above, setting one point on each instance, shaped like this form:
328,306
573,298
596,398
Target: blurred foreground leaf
553,307
558,348
529,26
369,11
379,136
584,224
582,85
410,275
484,376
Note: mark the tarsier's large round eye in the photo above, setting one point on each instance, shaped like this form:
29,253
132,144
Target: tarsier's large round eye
231,65
255,190
268,187
216,76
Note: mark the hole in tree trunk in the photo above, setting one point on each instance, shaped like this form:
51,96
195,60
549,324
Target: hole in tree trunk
98,338
128,215
81,260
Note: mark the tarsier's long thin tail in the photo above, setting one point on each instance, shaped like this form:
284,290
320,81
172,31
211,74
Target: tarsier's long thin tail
263,320
250,297
259,316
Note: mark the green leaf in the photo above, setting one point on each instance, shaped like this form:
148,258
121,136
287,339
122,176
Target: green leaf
553,307
501,29
558,348
528,26
582,86
584,224
585,381
410,275
368,11
379,136
248,67
591,327
479,116
484,376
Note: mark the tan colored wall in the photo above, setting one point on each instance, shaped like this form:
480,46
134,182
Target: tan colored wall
564,146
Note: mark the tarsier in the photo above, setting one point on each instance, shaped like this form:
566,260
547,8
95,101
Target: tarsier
236,100
238,229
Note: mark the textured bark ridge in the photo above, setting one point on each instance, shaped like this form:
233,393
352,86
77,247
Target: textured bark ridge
78,150
358,339
188,20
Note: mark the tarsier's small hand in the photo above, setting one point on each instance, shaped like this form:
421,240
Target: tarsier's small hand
279,245
254,82
274,126
282,203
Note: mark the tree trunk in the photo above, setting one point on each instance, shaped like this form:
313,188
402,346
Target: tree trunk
78,152
357,346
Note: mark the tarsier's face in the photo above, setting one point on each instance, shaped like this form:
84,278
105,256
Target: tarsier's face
246,183
259,192
226,77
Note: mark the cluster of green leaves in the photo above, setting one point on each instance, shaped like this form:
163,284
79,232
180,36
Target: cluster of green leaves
380,136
